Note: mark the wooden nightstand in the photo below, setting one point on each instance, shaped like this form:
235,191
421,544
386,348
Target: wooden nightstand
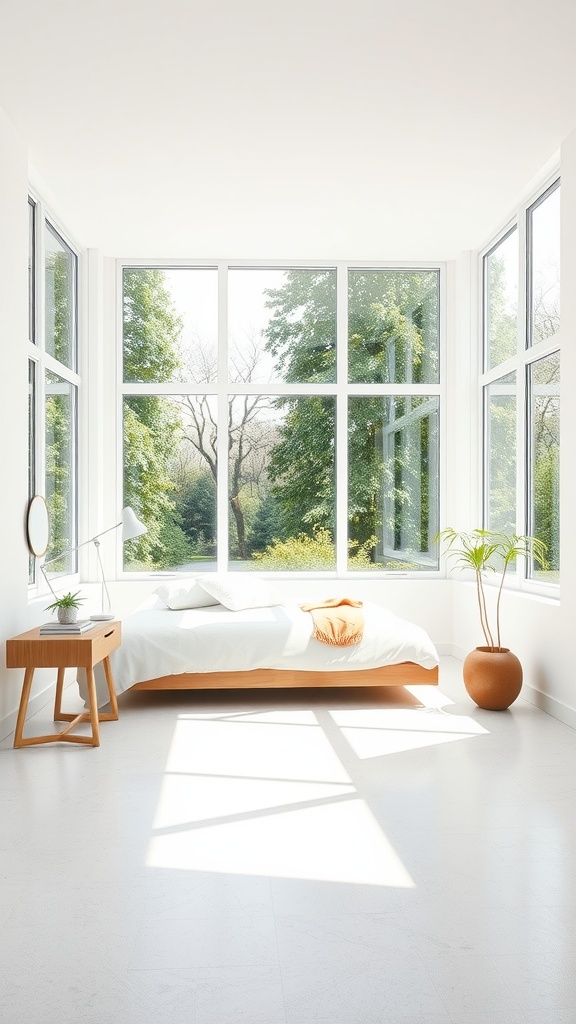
31,651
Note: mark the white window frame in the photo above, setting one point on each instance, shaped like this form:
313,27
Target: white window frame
44,362
340,389
526,354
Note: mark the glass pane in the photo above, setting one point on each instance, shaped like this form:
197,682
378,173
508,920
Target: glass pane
170,324
31,272
31,451
501,298
544,232
61,471
500,442
170,481
393,482
544,398
282,483
282,325
393,326
60,298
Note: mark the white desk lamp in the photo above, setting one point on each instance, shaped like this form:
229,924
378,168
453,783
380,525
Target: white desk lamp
131,528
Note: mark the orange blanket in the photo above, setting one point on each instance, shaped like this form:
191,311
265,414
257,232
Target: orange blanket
337,621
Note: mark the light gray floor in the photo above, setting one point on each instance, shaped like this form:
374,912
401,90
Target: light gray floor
345,857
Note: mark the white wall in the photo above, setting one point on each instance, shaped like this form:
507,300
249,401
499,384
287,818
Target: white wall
19,609
13,395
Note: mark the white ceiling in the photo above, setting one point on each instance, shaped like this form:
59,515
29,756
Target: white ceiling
306,129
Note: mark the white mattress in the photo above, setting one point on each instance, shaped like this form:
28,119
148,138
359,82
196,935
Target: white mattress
159,642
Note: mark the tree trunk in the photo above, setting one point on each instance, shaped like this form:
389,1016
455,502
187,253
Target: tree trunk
240,528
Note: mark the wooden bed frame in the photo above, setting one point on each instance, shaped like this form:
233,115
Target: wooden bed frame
405,674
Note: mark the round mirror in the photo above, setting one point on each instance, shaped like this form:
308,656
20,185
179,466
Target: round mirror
38,526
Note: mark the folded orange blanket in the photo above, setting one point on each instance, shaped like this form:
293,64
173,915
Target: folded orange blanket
337,621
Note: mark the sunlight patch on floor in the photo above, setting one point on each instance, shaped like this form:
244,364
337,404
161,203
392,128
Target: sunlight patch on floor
429,696
339,842
380,731
267,793
250,746
189,799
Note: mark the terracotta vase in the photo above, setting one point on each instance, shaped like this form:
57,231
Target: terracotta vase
493,678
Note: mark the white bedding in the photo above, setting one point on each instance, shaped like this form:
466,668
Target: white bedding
159,642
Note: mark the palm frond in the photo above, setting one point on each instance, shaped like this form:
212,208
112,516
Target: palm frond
484,551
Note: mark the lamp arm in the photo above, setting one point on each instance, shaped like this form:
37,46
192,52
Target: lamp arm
91,540
43,571
104,584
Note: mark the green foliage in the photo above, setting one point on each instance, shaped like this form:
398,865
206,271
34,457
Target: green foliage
393,326
151,327
547,505
244,507
282,470
502,319
268,524
68,600
368,472
546,453
174,547
301,464
151,431
488,551
361,556
196,503
313,551
59,468
502,455
59,281
152,424
301,333
60,310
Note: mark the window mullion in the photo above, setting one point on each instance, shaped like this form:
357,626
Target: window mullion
222,509
40,345
341,440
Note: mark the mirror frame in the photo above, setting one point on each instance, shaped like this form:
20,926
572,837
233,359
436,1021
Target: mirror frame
38,526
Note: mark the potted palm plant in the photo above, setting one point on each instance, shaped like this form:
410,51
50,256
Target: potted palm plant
66,606
492,673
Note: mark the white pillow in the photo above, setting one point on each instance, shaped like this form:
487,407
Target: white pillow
240,590
184,594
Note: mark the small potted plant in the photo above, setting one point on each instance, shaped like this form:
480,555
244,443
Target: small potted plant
66,606
492,673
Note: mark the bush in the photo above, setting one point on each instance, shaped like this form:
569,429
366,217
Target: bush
314,552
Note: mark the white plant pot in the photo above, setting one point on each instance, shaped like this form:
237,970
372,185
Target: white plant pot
66,615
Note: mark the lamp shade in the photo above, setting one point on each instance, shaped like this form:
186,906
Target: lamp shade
131,525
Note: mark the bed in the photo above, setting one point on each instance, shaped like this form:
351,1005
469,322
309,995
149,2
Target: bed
271,645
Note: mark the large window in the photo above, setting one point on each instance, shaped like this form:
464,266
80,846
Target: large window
521,380
280,418
53,382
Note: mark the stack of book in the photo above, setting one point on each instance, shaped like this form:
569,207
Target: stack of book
70,628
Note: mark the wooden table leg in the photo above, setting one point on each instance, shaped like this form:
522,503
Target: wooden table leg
58,697
113,716
93,706
60,716
28,677
85,716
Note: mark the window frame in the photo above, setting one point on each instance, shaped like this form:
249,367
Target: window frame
526,355
42,363
340,389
